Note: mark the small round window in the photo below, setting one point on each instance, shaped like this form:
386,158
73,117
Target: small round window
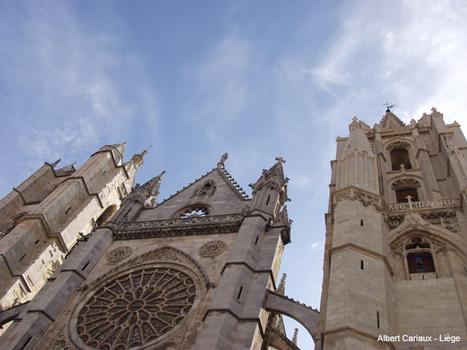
194,212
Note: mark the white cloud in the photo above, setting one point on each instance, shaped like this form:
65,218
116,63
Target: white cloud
69,88
221,80
413,53
315,245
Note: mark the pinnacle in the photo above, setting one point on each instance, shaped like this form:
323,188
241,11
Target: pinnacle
153,185
295,336
281,287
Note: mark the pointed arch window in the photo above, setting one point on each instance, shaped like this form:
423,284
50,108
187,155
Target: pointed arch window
419,256
400,159
194,211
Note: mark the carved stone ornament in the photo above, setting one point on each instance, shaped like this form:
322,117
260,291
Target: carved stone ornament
398,144
355,194
119,254
60,342
405,183
446,219
197,225
206,189
212,248
136,308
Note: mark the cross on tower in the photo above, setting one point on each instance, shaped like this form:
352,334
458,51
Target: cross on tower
280,159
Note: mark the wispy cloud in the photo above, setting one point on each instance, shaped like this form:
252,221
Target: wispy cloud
221,81
64,86
412,53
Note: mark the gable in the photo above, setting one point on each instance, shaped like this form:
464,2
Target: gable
390,121
217,190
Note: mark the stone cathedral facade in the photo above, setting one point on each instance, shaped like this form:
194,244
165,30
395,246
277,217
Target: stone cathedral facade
197,271
396,233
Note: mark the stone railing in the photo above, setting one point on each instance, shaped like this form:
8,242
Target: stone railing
179,227
443,203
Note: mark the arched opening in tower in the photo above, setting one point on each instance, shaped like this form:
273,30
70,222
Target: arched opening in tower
106,215
400,158
403,194
420,262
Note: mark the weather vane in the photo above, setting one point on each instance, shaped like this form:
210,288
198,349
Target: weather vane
388,106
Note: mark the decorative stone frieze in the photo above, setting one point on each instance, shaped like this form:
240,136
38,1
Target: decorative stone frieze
405,183
352,193
180,227
446,219
212,249
443,203
119,254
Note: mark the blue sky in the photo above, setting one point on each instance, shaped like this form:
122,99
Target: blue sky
198,78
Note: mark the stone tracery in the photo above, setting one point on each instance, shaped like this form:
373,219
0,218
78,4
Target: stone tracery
136,308
212,249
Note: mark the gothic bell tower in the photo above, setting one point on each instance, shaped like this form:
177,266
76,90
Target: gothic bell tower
395,251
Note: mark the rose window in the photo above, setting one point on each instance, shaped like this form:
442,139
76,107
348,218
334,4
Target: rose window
136,308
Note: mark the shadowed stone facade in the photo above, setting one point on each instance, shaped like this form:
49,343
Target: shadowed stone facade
42,219
395,252
197,271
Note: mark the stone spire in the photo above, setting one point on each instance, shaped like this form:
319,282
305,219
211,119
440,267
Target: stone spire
153,186
295,336
270,190
274,176
281,287
148,192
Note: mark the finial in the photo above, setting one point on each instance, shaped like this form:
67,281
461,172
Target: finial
160,175
139,157
280,160
281,287
221,162
433,109
388,106
55,163
145,151
295,336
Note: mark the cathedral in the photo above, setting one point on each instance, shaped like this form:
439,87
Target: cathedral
91,260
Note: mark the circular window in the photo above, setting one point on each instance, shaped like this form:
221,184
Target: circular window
136,308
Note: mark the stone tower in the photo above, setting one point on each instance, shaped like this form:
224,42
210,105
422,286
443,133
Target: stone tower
197,271
42,219
396,234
